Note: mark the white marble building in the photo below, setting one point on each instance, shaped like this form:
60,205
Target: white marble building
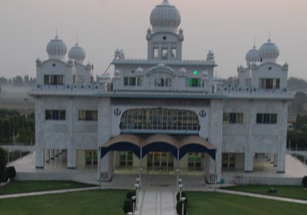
163,109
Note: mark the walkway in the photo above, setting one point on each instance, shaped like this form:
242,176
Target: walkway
159,201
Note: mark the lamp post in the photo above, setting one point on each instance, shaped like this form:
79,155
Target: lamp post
182,209
180,188
141,177
136,193
134,202
177,172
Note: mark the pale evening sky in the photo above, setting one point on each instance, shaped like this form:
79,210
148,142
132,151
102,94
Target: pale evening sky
227,27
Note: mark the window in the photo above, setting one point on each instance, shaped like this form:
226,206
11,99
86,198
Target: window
88,115
132,81
164,53
269,83
55,115
155,52
79,79
266,118
195,82
194,159
163,82
125,158
228,160
233,118
173,52
159,119
53,79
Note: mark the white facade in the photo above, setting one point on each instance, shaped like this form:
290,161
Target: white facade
161,95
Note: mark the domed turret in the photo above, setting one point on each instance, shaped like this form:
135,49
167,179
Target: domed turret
56,49
165,17
77,53
252,56
182,72
268,52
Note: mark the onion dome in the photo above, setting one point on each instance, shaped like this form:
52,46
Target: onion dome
77,53
56,49
165,17
252,55
117,74
268,52
182,72
38,61
139,71
204,75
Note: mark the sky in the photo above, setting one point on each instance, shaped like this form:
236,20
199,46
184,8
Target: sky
228,27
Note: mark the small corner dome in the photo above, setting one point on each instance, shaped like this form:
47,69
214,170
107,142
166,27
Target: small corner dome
56,48
117,72
182,72
77,53
204,74
268,51
165,17
139,71
252,55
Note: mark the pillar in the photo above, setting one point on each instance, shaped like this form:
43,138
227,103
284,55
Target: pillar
51,154
40,158
282,117
71,158
104,134
47,155
248,162
56,153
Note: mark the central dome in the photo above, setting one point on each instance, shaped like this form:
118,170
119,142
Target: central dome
165,17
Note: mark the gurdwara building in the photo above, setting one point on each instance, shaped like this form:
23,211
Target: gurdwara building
163,112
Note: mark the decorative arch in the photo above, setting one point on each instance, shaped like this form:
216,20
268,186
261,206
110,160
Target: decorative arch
161,68
123,142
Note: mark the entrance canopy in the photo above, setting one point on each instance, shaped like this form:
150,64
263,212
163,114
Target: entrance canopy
179,147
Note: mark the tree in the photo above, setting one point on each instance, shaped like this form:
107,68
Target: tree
3,162
6,130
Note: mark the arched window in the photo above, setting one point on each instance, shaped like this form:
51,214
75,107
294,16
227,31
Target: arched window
150,120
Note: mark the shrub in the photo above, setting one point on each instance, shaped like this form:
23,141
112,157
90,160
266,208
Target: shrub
183,194
11,172
130,193
128,206
179,207
305,181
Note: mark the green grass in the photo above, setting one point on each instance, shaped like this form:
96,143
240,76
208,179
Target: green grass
296,192
210,203
35,186
105,202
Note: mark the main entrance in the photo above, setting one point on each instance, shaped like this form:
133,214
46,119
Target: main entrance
160,160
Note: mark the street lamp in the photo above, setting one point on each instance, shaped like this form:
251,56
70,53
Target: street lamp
134,202
177,171
137,193
141,176
182,209
179,182
180,188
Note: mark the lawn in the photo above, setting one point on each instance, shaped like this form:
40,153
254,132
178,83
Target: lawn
104,202
34,186
296,192
210,203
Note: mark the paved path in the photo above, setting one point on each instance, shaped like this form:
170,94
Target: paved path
156,202
17,195
284,199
